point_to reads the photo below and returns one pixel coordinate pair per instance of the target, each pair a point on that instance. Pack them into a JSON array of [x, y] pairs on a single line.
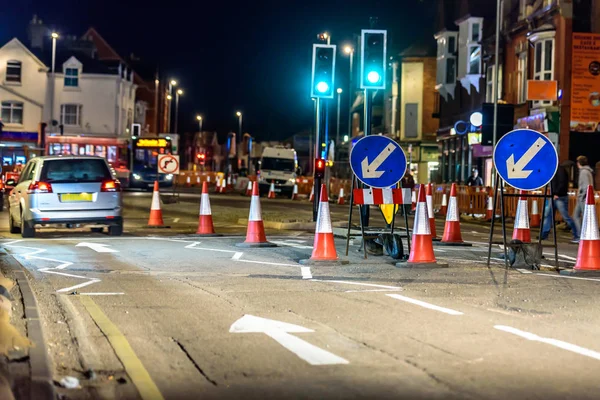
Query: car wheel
[[11, 224], [115, 230], [27, 229], [97, 230]]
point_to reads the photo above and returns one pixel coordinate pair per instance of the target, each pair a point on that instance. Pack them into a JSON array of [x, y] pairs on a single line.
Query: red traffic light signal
[[320, 168]]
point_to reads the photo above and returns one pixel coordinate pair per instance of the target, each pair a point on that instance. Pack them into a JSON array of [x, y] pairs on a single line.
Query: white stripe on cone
[[429, 200], [452, 213], [249, 187], [205, 205], [155, 201], [490, 203], [589, 227], [341, 194], [255, 211], [413, 197], [522, 219], [421, 225], [295, 191], [323, 219], [444, 200]]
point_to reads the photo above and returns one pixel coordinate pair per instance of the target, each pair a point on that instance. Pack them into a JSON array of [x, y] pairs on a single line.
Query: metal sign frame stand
[[500, 186]]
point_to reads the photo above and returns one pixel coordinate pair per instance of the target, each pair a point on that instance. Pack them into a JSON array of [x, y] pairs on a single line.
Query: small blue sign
[[525, 159], [378, 161]]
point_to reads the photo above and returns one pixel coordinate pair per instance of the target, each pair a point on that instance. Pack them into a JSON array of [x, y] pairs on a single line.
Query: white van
[[277, 165]]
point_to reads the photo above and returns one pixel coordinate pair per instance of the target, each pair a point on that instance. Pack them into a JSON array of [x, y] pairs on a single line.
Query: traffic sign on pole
[[525, 159], [168, 164], [378, 161]]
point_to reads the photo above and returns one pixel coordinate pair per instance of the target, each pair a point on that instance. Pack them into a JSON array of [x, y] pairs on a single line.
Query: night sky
[[251, 56]]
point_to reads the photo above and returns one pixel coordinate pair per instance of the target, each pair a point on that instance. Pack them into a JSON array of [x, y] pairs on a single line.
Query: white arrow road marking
[[553, 342], [370, 170], [97, 247], [516, 170], [280, 332]]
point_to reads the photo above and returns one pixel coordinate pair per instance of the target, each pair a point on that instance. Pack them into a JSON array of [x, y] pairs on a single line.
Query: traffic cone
[[489, 213], [255, 235], [452, 235], [429, 199], [421, 251], [205, 221], [413, 200], [249, 189], [324, 245], [535, 215], [222, 185], [156, 219], [198, 181], [271, 194], [588, 255], [341, 196], [311, 198], [521, 231], [444, 207], [187, 182], [295, 192], [208, 179]]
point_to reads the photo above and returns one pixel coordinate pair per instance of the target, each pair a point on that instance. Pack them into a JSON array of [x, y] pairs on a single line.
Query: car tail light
[[110, 186], [39, 187]]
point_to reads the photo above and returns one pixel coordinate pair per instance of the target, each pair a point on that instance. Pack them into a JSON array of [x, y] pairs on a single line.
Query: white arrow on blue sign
[[378, 161], [525, 159]]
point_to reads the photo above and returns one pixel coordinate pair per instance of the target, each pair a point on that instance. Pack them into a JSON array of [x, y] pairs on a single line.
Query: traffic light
[[320, 168], [136, 130], [323, 71], [373, 46]]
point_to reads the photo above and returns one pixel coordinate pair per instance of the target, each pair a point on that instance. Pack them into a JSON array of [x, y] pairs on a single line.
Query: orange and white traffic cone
[[311, 198], [255, 235], [249, 189], [205, 221], [156, 219], [452, 235], [188, 182], [489, 213], [341, 196], [295, 192], [324, 245], [223, 186], [271, 194], [521, 231], [421, 250], [413, 200], [588, 255], [429, 199], [535, 215], [444, 206], [198, 181]]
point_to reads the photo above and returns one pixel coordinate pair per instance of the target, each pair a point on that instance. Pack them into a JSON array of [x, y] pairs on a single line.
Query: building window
[[475, 32], [129, 119], [451, 44], [489, 79], [12, 112], [70, 114], [543, 64], [13, 71], [450, 71], [522, 78], [71, 77], [474, 60]]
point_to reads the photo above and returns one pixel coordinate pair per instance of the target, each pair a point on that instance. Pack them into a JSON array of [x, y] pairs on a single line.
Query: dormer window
[[72, 77], [469, 52], [13, 71]]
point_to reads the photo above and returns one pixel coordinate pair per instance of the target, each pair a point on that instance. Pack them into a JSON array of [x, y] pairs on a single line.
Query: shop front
[[17, 148]]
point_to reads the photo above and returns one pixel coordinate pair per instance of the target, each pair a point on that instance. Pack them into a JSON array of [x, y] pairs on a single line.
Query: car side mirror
[[10, 182]]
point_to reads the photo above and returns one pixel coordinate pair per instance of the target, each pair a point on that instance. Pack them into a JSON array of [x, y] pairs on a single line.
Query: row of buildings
[[440, 82]]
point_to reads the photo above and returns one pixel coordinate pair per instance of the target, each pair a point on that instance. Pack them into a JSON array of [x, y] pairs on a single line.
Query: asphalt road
[[166, 314]]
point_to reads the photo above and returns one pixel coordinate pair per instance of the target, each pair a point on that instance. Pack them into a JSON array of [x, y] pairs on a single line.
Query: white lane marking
[[84, 284], [493, 258], [553, 342], [194, 247], [359, 284], [296, 241], [176, 220], [371, 290], [424, 304], [296, 245], [97, 247], [269, 263], [101, 294], [524, 271], [280, 332], [306, 274], [561, 255], [570, 277], [237, 255]]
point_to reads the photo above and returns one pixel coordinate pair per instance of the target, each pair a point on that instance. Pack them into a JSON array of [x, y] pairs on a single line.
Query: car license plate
[[74, 197]]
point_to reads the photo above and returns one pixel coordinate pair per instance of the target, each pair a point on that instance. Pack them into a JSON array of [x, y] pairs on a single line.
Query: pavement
[[165, 314]]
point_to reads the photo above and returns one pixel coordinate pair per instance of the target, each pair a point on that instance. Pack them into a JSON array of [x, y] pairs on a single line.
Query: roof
[[422, 48], [33, 55], [89, 65]]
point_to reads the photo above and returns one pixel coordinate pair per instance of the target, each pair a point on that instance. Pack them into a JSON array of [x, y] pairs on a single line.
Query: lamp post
[[337, 134], [350, 51], [179, 93], [239, 115], [54, 36], [199, 118], [172, 84]]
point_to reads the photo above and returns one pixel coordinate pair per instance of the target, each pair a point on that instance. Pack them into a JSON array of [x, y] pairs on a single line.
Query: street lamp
[[54, 36], [350, 51], [199, 118], [239, 115], [172, 84], [337, 134], [179, 93]]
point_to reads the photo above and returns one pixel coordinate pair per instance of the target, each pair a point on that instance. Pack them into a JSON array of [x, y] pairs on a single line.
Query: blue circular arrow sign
[[525, 159], [378, 161]]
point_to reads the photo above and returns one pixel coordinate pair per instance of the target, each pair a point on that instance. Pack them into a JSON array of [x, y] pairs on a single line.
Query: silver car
[[66, 190]]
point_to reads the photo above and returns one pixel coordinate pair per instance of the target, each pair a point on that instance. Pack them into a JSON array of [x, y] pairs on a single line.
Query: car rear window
[[75, 170]]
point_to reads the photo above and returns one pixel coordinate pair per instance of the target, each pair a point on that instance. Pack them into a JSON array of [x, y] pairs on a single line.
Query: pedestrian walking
[[475, 179], [586, 178], [560, 191]]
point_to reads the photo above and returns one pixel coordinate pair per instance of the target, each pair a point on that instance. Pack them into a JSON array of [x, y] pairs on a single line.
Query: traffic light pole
[[364, 211], [316, 180]]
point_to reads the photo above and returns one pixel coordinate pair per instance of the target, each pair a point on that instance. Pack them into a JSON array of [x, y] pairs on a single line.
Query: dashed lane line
[[570, 277], [358, 284], [425, 305], [306, 274]]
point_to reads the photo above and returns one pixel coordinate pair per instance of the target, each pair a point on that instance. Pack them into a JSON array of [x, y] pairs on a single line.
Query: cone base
[[259, 244], [591, 273], [158, 226], [588, 256], [406, 264], [324, 263], [442, 243], [206, 235]]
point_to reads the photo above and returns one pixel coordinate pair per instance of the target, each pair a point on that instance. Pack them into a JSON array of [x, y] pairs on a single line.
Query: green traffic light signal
[[373, 59], [373, 77], [322, 87], [323, 71]]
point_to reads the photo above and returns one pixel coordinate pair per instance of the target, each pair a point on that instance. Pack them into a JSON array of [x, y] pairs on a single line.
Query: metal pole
[[316, 183], [169, 108], [337, 134], [499, 5], [240, 128], [350, 94], [367, 131], [176, 111], [53, 83], [156, 87]]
